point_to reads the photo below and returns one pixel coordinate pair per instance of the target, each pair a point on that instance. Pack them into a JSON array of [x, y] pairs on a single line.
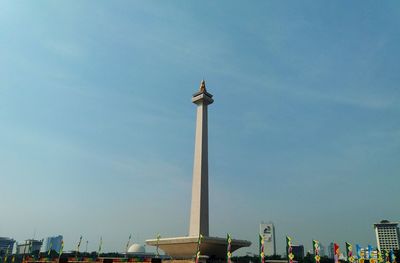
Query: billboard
[[267, 230]]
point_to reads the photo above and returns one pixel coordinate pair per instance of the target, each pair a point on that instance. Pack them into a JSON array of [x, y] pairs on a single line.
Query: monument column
[[199, 207]]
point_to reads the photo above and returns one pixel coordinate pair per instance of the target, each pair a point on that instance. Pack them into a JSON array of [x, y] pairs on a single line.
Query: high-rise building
[[387, 235], [267, 230], [29, 246], [54, 243], [322, 250], [331, 250], [6, 244], [298, 252]]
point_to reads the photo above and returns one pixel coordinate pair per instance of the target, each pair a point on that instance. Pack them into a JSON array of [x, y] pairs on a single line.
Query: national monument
[[185, 247]]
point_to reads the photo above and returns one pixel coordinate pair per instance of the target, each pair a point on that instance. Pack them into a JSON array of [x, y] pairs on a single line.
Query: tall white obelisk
[[199, 209], [186, 247]]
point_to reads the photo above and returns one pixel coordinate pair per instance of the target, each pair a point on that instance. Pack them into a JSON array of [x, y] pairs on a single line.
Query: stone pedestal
[[186, 247]]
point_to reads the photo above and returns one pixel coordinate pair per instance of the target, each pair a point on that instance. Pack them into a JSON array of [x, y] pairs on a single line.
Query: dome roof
[[136, 249]]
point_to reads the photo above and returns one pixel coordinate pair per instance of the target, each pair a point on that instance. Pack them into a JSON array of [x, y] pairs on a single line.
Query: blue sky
[[97, 126]]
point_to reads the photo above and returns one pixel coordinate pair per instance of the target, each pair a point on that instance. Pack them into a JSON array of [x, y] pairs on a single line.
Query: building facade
[[29, 246], [298, 252], [53, 243], [331, 252], [267, 230], [322, 250], [6, 244], [387, 235]]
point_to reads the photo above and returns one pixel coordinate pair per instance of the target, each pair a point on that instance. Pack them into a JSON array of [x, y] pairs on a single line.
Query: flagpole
[[77, 249], [158, 240], [198, 248], [228, 252], [61, 250], [100, 244], [262, 242], [127, 246]]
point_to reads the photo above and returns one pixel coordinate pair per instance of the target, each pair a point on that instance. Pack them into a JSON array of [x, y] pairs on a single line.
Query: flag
[[358, 252], [6, 255], [349, 252], [100, 244], [79, 244], [392, 256], [61, 249], [77, 248], [336, 252], [127, 244], [380, 257], [228, 249], [387, 256], [289, 249], [370, 257], [369, 251], [158, 240], [316, 251], [198, 248], [262, 254], [48, 252]]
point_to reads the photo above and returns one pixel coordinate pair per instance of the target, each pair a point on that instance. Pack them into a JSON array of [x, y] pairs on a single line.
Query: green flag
[[198, 248], [228, 248], [289, 249], [48, 252], [61, 249], [316, 251], [262, 254], [349, 252], [6, 255]]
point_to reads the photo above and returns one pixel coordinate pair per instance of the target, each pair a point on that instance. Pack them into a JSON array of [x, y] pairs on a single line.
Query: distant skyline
[[97, 126]]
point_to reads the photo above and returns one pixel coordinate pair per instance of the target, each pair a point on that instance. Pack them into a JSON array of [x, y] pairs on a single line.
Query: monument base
[[186, 247]]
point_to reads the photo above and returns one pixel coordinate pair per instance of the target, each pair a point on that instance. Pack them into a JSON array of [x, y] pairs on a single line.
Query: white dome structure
[[136, 249]]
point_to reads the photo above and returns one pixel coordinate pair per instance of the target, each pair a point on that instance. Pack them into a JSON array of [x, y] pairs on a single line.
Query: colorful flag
[[392, 256], [228, 249], [198, 248], [360, 258], [349, 252], [336, 252], [380, 257], [370, 256], [6, 255], [316, 251], [48, 252], [61, 249], [289, 249], [262, 254], [387, 256]]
